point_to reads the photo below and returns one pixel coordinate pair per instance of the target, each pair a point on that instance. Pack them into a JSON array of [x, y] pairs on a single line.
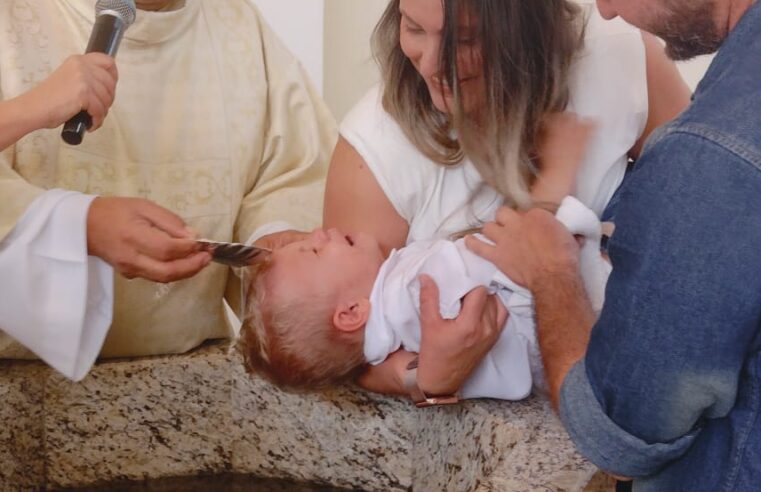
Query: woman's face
[[420, 38]]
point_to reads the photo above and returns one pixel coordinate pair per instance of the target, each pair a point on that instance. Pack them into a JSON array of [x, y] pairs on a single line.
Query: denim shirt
[[669, 391]]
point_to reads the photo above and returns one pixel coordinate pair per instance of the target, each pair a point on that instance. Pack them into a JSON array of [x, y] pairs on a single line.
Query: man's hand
[[530, 246], [451, 349], [537, 251], [82, 82], [141, 239]]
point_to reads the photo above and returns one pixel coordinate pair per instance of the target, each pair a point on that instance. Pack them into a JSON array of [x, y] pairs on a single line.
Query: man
[[666, 387], [214, 131]]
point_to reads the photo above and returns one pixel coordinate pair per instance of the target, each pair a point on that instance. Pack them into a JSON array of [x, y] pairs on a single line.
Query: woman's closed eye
[[411, 26], [413, 30]]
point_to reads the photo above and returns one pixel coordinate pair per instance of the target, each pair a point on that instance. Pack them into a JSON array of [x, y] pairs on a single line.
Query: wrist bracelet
[[417, 395]]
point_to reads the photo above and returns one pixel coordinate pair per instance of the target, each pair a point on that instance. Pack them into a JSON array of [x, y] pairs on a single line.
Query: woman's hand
[[561, 145], [82, 82], [451, 349]]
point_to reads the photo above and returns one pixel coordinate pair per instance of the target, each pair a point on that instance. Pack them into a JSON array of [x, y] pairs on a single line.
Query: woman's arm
[[560, 149], [82, 82], [667, 93], [354, 201]]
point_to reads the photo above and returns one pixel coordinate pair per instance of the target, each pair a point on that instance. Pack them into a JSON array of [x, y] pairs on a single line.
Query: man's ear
[[351, 316]]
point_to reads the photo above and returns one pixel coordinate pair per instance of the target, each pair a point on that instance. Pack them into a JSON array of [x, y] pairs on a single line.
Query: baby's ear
[[351, 316]]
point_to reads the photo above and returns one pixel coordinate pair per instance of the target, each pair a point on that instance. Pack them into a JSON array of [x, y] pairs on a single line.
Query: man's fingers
[[156, 244], [473, 305], [429, 301], [490, 322], [165, 220], [166, 272], [501, 313]]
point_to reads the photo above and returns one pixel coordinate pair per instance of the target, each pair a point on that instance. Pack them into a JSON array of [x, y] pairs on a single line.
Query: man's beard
[[688, 29]]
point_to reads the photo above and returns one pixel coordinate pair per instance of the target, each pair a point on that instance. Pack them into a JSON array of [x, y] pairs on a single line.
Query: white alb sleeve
[[55, 299]]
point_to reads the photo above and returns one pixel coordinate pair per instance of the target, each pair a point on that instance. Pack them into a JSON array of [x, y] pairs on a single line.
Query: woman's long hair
[[525, 49]]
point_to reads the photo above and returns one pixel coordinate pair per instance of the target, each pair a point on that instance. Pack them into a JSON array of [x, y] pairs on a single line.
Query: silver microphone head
[[123, 9]]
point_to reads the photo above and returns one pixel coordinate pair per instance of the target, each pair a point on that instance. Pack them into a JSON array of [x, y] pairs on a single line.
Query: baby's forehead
[[279, 272]]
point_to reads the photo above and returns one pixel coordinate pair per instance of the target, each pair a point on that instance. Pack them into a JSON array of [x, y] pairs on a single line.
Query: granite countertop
[[200, 413]]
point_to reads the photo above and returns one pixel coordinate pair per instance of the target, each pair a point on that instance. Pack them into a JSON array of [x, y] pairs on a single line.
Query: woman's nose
[[429, 60]]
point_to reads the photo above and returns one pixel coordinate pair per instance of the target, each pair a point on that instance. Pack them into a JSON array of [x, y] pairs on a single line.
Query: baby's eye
[[314, 250]]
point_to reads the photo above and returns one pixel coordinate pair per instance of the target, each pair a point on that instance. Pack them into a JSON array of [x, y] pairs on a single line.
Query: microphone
[[112, 18]]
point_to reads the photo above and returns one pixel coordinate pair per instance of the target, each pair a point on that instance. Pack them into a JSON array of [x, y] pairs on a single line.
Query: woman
[[454, 132]]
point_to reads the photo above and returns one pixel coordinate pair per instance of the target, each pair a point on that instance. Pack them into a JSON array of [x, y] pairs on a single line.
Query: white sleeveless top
[[608, 85]]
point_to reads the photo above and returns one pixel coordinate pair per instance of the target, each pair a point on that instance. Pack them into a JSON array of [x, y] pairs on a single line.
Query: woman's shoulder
[[368, 119], [610, 71], [608, 84], [402, 171]]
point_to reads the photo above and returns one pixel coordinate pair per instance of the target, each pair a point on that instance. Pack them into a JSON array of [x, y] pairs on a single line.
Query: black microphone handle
[[105, 38]]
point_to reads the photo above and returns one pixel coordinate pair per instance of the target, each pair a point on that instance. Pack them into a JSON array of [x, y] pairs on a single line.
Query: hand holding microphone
[[82, 82], [112, 18]]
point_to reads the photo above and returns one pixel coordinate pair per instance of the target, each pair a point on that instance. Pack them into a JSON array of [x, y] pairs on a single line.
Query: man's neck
[[735, 10]]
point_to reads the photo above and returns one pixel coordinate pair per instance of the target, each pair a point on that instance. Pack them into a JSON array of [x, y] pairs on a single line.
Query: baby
[[320, 309]]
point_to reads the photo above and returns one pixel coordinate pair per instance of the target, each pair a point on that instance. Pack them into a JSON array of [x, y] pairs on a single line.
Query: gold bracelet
[[417, 395]]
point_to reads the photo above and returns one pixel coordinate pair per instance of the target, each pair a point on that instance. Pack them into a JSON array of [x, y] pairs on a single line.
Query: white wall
[[693, 70], [299, 23], [349, 68]]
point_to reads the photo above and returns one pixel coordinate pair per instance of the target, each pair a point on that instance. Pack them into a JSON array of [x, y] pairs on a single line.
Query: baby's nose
[[319, 235]]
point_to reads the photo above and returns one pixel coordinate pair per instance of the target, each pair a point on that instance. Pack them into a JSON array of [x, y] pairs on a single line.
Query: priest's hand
[[141, 239]]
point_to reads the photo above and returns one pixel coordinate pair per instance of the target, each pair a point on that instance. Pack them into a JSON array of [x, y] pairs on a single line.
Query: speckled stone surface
[[343, 437], [201, 413], [152, 417], [22, 458], [497, 446]]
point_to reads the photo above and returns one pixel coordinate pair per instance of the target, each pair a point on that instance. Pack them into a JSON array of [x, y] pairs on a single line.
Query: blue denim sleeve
[[682, 306]]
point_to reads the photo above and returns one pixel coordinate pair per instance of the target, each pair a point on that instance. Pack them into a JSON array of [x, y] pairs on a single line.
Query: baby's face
[[326, 262]]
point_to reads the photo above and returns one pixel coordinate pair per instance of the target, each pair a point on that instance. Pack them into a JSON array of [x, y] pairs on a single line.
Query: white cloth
[[510, 368], [608, 85], [54, 298]]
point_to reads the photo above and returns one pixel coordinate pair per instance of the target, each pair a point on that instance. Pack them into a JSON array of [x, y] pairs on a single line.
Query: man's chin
[[685, 52]]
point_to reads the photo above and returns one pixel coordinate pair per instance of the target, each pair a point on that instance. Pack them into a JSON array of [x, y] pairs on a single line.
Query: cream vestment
[[214, 119]]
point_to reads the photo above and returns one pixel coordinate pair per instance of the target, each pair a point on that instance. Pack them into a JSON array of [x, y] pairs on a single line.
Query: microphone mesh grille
[[125, 9]]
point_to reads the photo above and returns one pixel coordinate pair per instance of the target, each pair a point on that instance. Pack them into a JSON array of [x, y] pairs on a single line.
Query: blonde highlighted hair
[[291, 341], [526, 51]]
